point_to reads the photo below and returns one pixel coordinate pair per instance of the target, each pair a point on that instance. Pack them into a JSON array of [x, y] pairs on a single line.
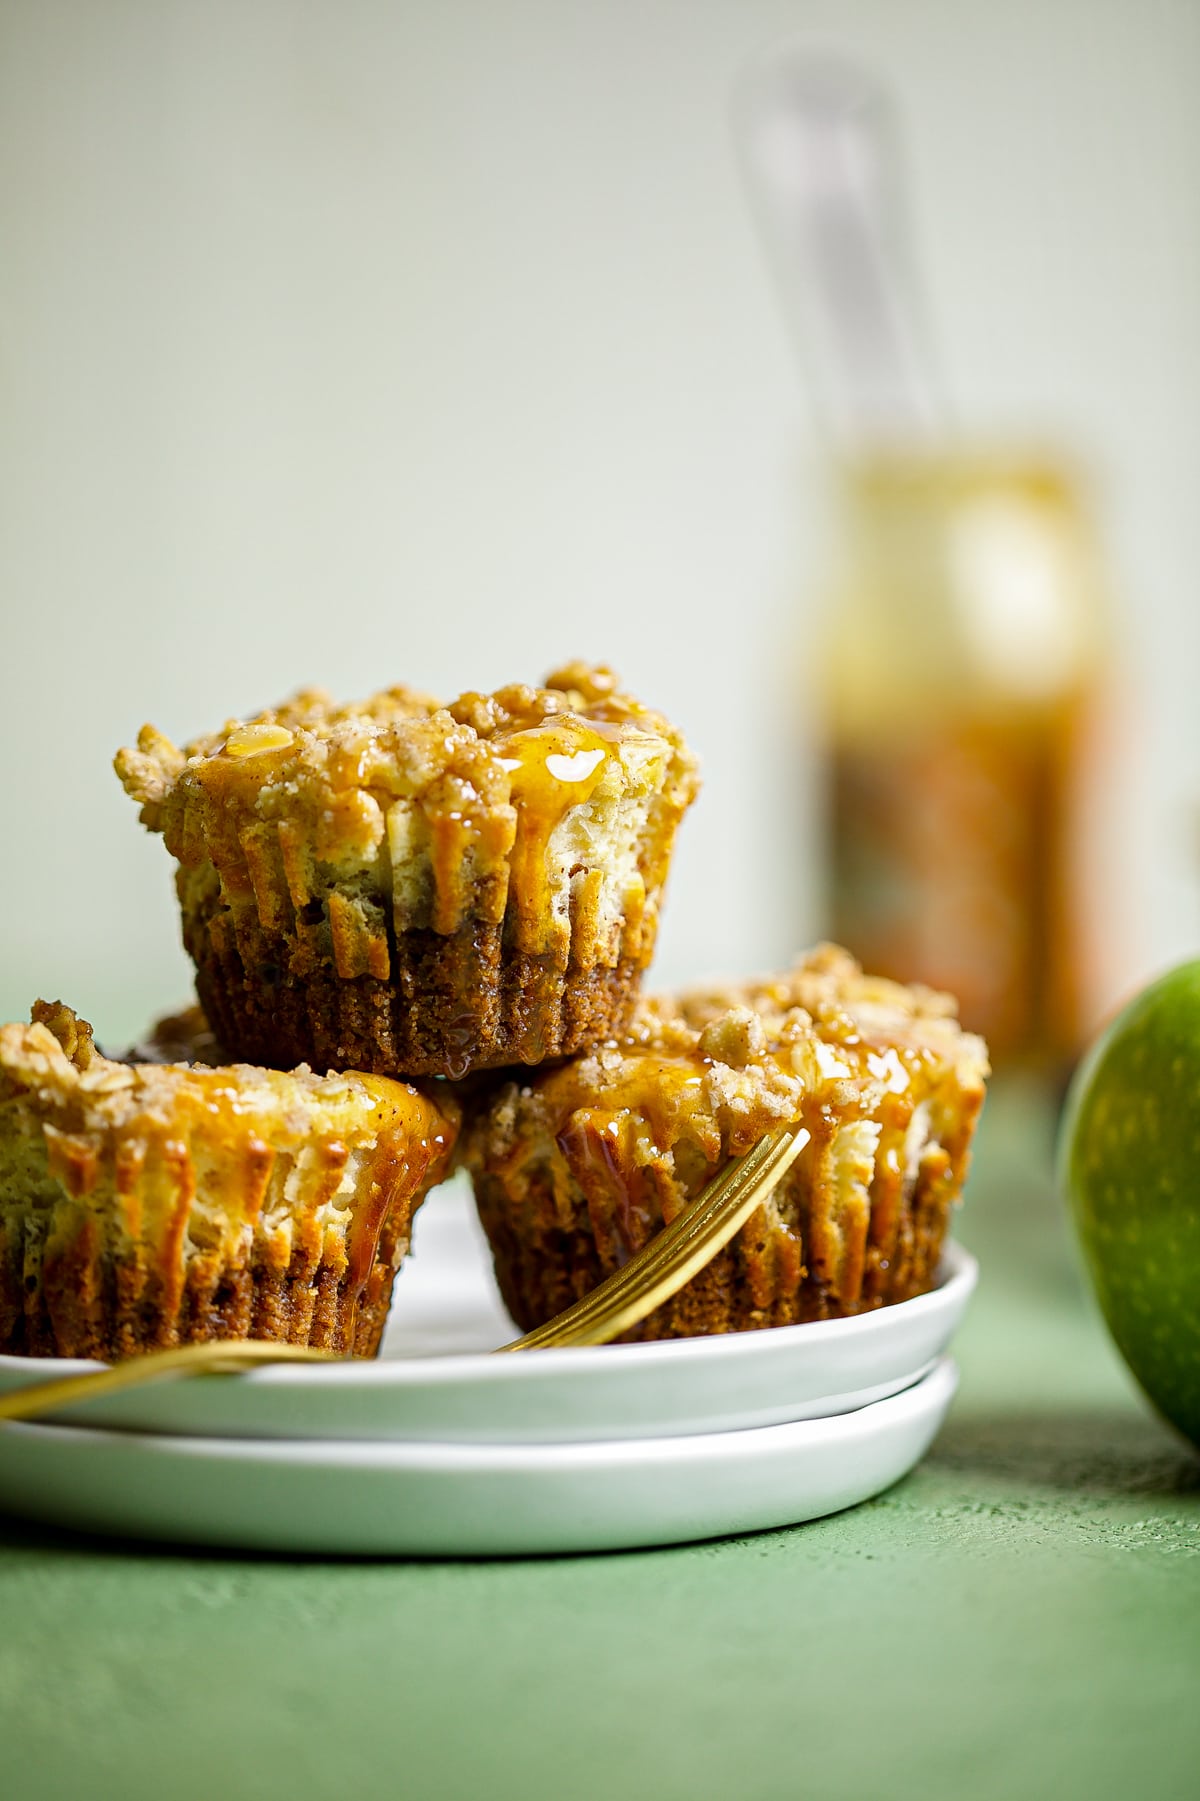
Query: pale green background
[[360, 341]]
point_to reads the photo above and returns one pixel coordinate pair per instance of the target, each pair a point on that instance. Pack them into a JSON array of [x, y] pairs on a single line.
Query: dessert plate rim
[[462, 1499]]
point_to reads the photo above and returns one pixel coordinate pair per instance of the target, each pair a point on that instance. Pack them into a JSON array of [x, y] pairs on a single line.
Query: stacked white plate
[[439, 1449]]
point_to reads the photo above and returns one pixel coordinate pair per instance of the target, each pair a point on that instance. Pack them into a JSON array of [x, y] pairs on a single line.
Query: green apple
[[1129, 1163]]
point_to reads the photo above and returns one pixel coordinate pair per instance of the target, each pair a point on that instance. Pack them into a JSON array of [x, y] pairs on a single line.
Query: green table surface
[[1020, 1617]]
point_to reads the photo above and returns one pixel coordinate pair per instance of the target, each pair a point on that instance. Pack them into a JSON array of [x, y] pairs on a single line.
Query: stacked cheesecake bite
[[418, 889], [409, 918]]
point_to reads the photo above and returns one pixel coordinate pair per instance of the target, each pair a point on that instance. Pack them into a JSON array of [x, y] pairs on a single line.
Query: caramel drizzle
[[552, 768]]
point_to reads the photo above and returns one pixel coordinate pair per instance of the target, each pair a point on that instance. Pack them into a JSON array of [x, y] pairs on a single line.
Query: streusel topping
[[436, 810], [724, 1065]]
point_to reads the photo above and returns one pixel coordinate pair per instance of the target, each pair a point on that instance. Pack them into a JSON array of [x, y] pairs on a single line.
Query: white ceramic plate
[[432, 1383], [462, 1499]]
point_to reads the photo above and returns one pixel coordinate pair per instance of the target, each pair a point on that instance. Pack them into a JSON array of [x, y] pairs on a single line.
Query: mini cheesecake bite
[[417, 889], [578, 1167], [145, 1205]]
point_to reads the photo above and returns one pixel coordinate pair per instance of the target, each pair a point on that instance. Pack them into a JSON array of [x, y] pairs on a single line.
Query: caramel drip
[[552, 768], [666, 1092], [669, 1094], [308, 796], [226, 774]]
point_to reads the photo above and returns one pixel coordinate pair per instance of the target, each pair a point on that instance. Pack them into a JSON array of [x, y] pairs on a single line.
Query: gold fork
[[222, 1358], [672, 1257], [677, 1253]]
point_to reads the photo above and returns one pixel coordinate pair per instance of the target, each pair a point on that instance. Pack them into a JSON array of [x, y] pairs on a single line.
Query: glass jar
[[965, 688]]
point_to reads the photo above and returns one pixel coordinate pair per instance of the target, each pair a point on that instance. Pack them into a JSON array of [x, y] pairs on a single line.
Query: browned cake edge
[[450, 1005]]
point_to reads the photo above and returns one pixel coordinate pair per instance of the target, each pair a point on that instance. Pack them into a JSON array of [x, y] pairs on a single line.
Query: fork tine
[[740, 1186], [699, 1240], [675, 1254]]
